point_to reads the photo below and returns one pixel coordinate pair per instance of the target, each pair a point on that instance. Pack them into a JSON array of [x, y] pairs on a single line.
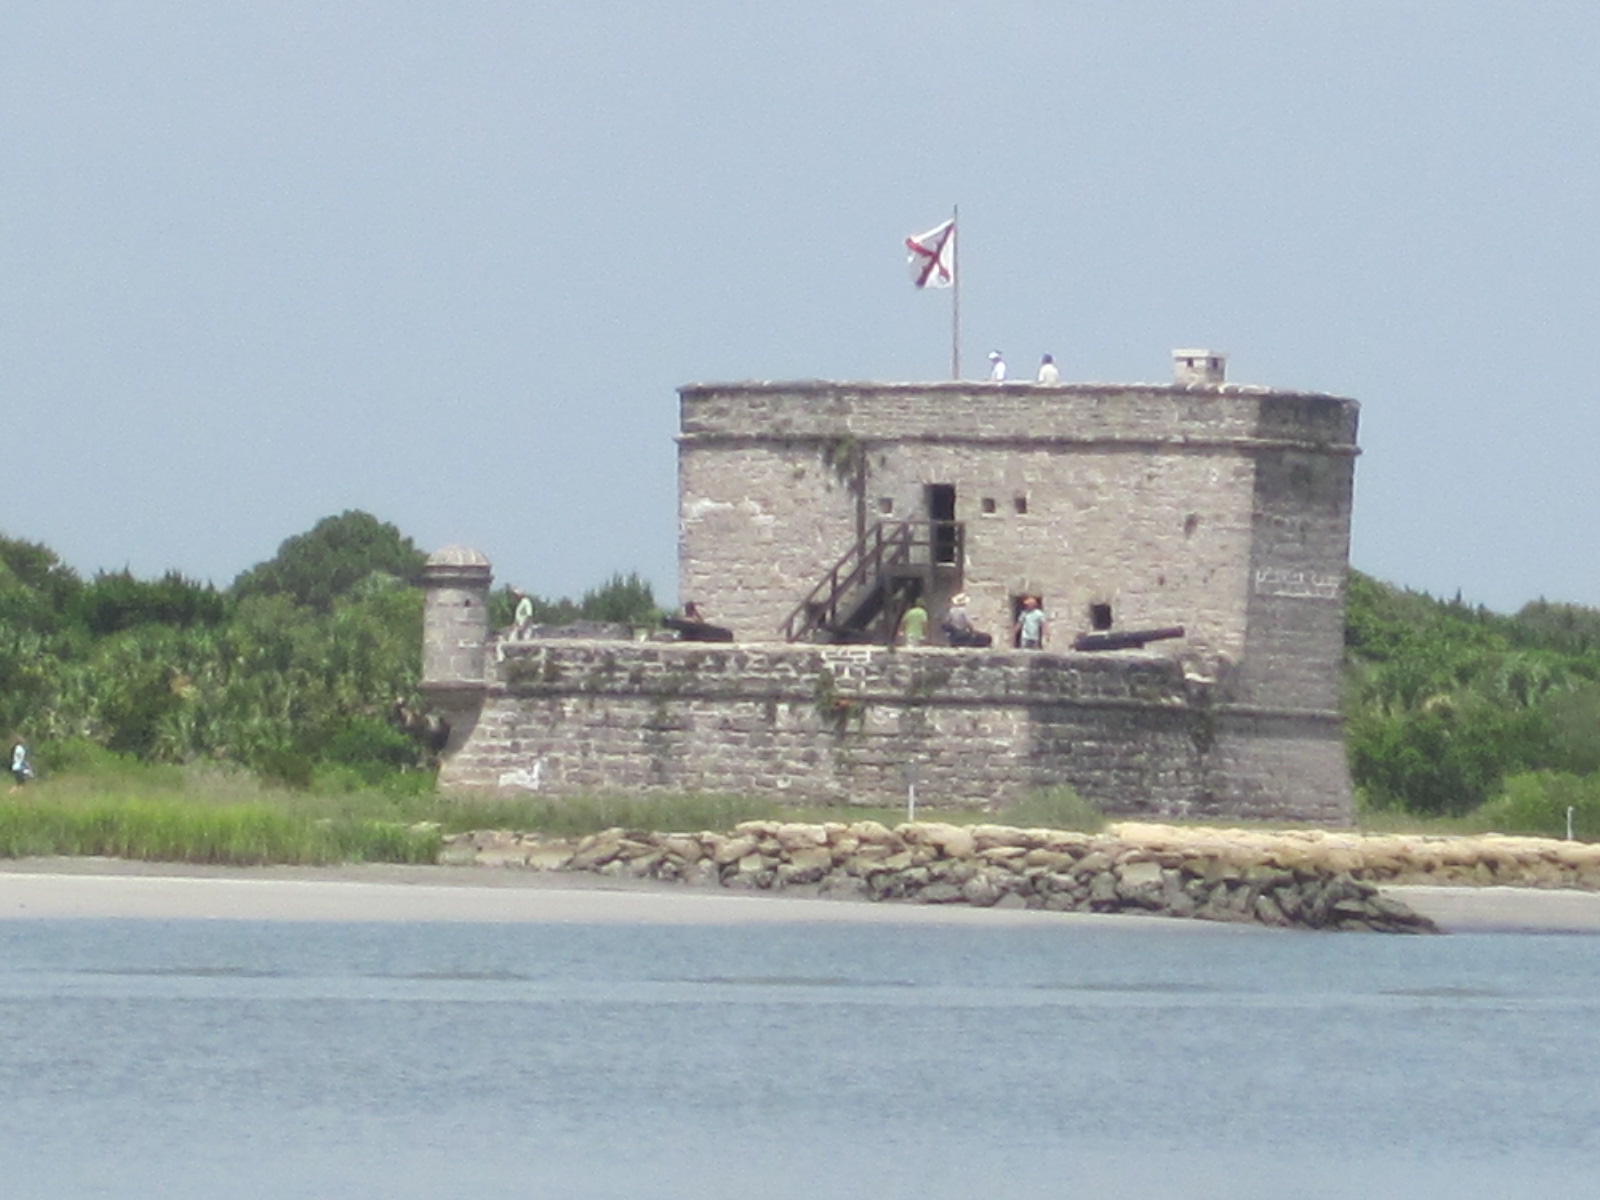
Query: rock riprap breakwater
[[1305, 879]]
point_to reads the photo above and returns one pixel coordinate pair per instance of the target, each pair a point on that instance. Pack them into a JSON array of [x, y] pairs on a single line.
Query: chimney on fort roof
[[1190, 367]]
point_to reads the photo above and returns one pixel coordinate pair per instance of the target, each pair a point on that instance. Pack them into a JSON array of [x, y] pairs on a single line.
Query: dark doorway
[[941, 502]]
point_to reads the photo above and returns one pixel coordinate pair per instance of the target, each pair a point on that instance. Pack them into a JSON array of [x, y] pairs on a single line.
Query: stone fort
[[1187, 541]]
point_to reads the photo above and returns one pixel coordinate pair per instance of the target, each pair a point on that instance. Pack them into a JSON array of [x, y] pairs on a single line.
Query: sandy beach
[[64, 888], [98, 888]]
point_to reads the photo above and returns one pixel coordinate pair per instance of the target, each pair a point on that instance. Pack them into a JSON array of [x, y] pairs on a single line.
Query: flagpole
[[955, 295]]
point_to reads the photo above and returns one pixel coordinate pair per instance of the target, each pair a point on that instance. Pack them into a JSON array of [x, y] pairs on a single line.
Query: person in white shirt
[[524, 614], [997, 367], [1048, 372], [21, 769]]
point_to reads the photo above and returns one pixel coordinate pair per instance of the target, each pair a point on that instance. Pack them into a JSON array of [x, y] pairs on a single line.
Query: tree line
[[1453, 710]]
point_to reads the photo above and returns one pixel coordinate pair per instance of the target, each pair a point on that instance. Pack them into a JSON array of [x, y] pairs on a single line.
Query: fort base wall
[[858, 725]]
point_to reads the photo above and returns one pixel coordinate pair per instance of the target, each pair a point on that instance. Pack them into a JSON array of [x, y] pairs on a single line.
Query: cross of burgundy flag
[[932, 256]]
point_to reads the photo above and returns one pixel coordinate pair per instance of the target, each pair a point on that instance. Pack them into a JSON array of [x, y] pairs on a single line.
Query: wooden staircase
[[862, 596]]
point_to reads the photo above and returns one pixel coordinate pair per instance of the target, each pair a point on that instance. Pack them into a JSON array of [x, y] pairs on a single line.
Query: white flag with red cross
[[932, 256]]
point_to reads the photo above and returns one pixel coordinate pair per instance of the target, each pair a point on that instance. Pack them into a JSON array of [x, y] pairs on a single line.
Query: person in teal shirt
[[1031, 625]]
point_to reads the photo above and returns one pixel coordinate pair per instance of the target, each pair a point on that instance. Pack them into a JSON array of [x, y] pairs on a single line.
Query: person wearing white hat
[[957, 624], [997, 367]]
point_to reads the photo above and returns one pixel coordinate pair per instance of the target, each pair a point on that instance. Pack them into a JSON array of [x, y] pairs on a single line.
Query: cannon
[[1125, 639]]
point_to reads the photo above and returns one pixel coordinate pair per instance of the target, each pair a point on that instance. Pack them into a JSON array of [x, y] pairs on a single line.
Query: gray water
[[203, 1059]]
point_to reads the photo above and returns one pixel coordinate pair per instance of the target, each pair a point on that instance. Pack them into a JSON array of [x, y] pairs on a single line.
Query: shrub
[[117, 601], [1537, 802], [331, 560], [286, 766], [1055, 808]]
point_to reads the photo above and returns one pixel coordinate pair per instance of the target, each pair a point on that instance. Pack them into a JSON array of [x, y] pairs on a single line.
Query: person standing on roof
[[997, 367], [1049, 374], [524, 613]]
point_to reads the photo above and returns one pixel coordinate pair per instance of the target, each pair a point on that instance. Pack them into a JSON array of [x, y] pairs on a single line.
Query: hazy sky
[[448, 262]]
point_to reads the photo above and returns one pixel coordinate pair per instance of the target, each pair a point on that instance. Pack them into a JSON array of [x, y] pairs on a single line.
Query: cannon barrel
[[1125, 639]]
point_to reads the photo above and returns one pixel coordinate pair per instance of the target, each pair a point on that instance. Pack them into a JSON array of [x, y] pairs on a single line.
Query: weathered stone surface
[[796, 837], [1095, 862], [597, 850], [1139, 875], [1103, 890], [1214, 874], [841, 886], [806, 865], [734, 849], [652, 718], [951, 841], [980, 891], [1268, 912], [684, 847]]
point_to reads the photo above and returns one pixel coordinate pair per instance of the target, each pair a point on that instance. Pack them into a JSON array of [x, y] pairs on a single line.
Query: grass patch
[[107, 805], [175, 830], [1054, 808], [574, 816], [206, 813]]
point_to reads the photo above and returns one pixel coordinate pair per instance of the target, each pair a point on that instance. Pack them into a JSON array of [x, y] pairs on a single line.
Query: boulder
[[731, 850], [799, 837], [951, 841], [684, 847], [981, 891]]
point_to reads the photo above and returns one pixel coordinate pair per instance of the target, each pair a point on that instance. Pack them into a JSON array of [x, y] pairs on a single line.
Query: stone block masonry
[[857, 725], [1215, 508]]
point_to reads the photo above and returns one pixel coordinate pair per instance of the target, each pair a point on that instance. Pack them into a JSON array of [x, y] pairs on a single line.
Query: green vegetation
[[1456, 711], [183, 831], [112, 804], [316, 569], [1055, 808]]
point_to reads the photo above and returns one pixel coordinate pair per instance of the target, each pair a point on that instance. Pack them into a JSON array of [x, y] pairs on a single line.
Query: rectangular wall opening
[[941, 502]]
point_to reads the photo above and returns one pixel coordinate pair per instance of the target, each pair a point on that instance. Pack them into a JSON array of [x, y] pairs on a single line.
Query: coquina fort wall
[[1221, 509]]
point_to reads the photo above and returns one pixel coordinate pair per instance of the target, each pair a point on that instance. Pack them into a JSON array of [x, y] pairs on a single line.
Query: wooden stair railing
[[860, 588]]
